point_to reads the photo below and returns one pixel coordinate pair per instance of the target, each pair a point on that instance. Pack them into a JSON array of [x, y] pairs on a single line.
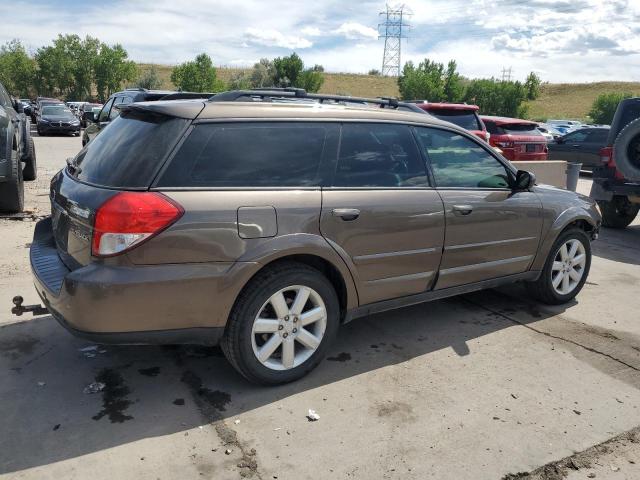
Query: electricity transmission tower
[[506, 74], [392, 30]]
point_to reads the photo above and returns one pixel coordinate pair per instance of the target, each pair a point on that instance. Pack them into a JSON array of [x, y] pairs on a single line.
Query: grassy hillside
[[564, 100]]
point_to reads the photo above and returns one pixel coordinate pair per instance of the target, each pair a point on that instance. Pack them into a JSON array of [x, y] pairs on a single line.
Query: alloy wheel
[[289, 327], [568, 266]]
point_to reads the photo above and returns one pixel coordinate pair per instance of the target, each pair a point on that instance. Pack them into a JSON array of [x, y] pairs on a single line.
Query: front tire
[[282, 324], [565, 270], [618, 213], [12, 190], [30, 171]]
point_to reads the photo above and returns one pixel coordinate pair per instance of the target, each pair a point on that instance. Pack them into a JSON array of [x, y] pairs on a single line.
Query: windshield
[[60, 110], [463, 118]]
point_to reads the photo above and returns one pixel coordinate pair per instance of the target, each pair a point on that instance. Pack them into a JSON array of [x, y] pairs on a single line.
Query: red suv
[[461, 114], [518, 139]]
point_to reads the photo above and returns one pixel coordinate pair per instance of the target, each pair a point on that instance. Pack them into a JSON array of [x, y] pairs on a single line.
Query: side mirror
[[560, 140], [18, 106], [524, 180], [89, 117]]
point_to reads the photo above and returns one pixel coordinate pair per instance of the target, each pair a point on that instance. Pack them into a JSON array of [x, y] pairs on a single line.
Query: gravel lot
[[485, 386]]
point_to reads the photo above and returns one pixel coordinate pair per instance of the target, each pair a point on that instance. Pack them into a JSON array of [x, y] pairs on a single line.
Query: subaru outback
[[263, 225]]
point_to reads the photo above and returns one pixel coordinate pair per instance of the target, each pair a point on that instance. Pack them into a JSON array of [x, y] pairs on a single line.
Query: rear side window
[[129, 151], [256, 154], [466, 119], [379, 155], [522, 129], [598, 136]]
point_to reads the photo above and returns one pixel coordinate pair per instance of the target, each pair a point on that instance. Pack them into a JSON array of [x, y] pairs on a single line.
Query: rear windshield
[[463, 118], [521, 129], [129, 151]]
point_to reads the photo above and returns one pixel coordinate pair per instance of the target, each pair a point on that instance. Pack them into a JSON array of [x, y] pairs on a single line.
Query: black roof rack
[[185, 95], [271, 94]]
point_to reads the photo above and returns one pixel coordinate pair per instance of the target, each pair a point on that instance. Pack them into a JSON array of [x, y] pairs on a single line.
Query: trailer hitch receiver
[[18, 309]]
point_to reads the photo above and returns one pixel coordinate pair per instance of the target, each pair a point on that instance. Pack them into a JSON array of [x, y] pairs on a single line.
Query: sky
[[561, 40]]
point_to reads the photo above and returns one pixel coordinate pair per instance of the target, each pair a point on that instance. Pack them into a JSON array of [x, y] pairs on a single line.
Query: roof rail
[[135, 89], [185, 95], [269, 94]]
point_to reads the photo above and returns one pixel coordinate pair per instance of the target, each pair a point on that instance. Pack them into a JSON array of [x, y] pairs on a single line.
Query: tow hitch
[[19, 309]]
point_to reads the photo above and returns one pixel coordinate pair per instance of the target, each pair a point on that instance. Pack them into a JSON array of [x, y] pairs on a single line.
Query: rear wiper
[[73, 167]]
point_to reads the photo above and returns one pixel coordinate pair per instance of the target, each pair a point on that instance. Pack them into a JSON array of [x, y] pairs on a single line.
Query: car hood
[[58, 118]]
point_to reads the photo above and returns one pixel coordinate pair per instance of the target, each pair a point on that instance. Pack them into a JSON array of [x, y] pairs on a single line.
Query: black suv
[[616, 181], [111, 109], [16, 148]]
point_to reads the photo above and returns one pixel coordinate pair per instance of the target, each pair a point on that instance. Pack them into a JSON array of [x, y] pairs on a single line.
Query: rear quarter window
[[252, 154], [466, 119], [130, 150]]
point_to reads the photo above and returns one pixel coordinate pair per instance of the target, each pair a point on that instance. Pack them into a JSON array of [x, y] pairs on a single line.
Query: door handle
[[575, 146], [462, 209], [347, 214]]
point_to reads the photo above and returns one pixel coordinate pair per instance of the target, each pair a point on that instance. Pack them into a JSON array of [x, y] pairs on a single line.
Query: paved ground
[[485, 386]]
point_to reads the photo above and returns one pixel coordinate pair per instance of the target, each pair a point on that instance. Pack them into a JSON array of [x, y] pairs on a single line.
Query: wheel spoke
[[574, 249], [557, 279], [288, 353], [265, 325], [557, 266], [308, 339], [575, 276], [563, 252], [279, 304], [579, 259], [565, 284], [268, 348], [312, 316], [300, 301]]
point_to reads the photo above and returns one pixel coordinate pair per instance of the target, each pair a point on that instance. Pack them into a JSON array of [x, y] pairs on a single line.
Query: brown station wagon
[[264, 224]]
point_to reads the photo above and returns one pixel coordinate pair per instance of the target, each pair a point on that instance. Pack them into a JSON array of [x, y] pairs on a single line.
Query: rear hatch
[[127, 155], [525, 137]]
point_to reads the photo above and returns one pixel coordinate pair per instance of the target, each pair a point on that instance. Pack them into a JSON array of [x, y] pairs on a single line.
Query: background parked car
[[41, 102], [461, 114], [16, 149], [517, 139], [580, 146], [87, 107], [549, 132], [57, 119]]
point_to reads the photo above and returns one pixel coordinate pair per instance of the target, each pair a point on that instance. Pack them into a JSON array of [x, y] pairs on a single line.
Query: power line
[[506, 74], [392, 32]]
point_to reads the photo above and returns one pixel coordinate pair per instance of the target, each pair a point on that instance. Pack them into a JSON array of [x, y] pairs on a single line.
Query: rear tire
[[257, 320], [30, 171], [12, 190], [618, 213], [559, 265]]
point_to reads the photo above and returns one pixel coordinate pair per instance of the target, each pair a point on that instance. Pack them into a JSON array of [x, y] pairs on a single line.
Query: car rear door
[[491, 231], [380, 213]]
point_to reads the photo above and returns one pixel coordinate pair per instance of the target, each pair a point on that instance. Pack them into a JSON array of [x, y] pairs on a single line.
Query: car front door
[[381, 214], [570, 148], [590, 151], [491, 230]]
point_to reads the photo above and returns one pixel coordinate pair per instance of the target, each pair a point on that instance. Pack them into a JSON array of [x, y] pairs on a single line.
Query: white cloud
[[274, 38], [311, 31], [356, 31]]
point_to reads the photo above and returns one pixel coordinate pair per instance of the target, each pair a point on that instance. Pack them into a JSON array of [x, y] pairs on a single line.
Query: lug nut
[[286, 318], [285, 334], [295, 330], [295, 319], [280, 327]]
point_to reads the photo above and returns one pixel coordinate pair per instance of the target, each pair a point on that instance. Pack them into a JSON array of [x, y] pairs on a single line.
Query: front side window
[[104, 113], [459, 162], [252, 154], [577, 137], [379, 155]]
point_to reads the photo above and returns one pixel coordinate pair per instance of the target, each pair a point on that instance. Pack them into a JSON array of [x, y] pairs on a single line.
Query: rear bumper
[[184, 303], [523, 157]]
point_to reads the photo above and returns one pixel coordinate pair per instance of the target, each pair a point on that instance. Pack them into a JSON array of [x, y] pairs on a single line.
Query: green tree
[[197, 76], [17, 69], [532, 85], [374, 72], [240, 81], [453, 88], [498, 98], [263, 74], [605, 105], [290, 72], [112, 69], [425, 82], [148, 78]]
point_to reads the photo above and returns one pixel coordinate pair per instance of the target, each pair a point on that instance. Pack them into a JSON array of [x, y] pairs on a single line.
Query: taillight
[[505, 144], [606, 154], [129, 218]]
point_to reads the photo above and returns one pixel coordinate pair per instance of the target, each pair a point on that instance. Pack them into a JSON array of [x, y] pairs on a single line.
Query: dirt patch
[[341, 357], [559, 469], [395, 410], [19, 346]]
